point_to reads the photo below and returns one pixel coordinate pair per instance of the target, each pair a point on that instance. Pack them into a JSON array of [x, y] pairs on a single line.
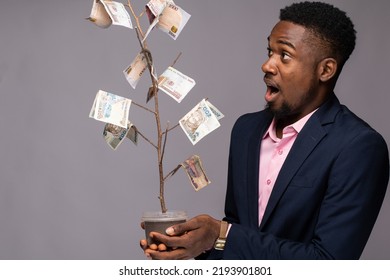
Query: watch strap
[[221, 240]]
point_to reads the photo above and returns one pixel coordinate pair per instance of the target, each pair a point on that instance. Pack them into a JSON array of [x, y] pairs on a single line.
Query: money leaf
[[114, 135], [99, 15], [110, 108], [135, 70], [172, 20], [196, 175], [175, 84], [117, 13], [132, 134], [199, 122]]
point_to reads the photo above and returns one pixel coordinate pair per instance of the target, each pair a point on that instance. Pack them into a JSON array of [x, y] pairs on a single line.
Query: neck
[[280, 125]]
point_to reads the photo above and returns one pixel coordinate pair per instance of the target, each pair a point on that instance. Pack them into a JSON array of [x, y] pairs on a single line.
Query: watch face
[[220, 244]]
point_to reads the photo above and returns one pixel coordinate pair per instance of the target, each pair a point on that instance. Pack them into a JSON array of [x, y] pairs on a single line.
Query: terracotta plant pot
[[159, 222]]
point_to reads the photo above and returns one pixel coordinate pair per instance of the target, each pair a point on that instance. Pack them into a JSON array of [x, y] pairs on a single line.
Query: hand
[[186, 240], [144, 244]]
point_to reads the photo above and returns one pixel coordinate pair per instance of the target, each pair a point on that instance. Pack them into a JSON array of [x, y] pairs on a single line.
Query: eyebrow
[[284, 42]]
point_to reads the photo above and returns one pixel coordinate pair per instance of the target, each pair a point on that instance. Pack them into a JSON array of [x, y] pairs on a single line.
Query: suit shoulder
[[353, 126]]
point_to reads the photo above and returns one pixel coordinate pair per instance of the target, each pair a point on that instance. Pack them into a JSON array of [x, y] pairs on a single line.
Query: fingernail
[[170, 231]]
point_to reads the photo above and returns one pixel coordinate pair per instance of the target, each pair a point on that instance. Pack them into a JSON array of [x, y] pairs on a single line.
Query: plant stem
[[160, 157], [165, 142], [148, 57], [160, 144]]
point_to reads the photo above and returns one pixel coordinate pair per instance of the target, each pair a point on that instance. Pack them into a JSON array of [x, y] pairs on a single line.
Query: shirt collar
[[295, 127]]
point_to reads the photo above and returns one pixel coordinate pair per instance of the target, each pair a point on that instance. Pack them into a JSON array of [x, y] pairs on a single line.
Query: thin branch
[[141, 14], [136, 18], [150, 142], [177, 58], [165, 142], [143, 107], [172, 128], [148, 57], [172, 172]]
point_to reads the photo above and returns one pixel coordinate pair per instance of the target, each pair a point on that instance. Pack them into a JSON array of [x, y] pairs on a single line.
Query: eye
[[285, 56], [270, 52]]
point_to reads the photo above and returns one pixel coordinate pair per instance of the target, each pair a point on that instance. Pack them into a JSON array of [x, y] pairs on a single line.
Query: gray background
[[64, 194]]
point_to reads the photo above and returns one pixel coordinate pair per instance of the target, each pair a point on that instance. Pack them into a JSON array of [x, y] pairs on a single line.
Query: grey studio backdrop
[[64, 194]]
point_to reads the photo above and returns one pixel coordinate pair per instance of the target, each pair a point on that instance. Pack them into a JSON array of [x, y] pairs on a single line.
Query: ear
[[327, 69]]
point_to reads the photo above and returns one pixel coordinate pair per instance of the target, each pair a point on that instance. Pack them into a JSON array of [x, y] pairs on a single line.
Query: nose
[[269, 67]]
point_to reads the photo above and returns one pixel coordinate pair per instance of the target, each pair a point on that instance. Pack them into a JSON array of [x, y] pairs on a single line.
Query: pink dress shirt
[[273, 152]]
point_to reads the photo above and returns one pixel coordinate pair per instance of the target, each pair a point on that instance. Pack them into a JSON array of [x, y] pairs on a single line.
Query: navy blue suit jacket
[[327, 195]]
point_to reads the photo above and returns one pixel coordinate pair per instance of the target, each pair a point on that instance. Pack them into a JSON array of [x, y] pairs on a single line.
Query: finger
[[143, 244], [181, 228], [153, 247], [162, 247], [178, 254], [169, 241], [142, 225]]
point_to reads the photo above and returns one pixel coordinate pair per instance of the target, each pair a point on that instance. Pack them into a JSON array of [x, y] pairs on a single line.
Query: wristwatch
[[221, 240]]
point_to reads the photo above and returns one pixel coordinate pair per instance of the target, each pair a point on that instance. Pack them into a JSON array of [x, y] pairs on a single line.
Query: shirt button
[[268, 181]]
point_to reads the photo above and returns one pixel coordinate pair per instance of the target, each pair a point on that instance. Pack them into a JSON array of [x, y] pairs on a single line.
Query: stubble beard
[[283, 112]]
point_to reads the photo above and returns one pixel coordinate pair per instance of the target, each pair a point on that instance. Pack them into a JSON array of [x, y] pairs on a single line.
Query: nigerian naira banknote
[[111, 108], [196, 175], [200, 121]]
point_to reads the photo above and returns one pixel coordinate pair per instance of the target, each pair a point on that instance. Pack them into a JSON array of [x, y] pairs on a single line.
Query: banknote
[[199, 122], [99, 15], [114, 135], [117, 13], [110, 108], [194, 169], [153, 23], [132, 133], [155, 7], [215, 111], [175, 84], [135, 70], [172, 20], [153, 10]]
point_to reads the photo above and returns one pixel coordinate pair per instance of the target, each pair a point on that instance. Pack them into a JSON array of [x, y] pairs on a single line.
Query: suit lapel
[[254, 144]]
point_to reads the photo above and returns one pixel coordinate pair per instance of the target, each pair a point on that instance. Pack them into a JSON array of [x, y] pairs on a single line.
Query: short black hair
[[326, 22]]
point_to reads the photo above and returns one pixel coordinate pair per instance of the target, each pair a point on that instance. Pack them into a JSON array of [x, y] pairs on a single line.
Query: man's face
[[291, 72]]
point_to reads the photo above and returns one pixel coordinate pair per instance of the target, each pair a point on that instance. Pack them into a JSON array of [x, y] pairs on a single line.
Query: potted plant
[[114, 110]]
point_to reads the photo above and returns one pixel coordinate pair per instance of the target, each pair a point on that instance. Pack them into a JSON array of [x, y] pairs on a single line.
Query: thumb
[[178, 229]]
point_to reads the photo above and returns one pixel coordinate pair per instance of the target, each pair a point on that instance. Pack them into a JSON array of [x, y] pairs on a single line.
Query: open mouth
[[272, 87], [272, 90]]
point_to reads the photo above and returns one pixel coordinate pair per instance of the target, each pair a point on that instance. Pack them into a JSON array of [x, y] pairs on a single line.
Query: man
[[306, 176]]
